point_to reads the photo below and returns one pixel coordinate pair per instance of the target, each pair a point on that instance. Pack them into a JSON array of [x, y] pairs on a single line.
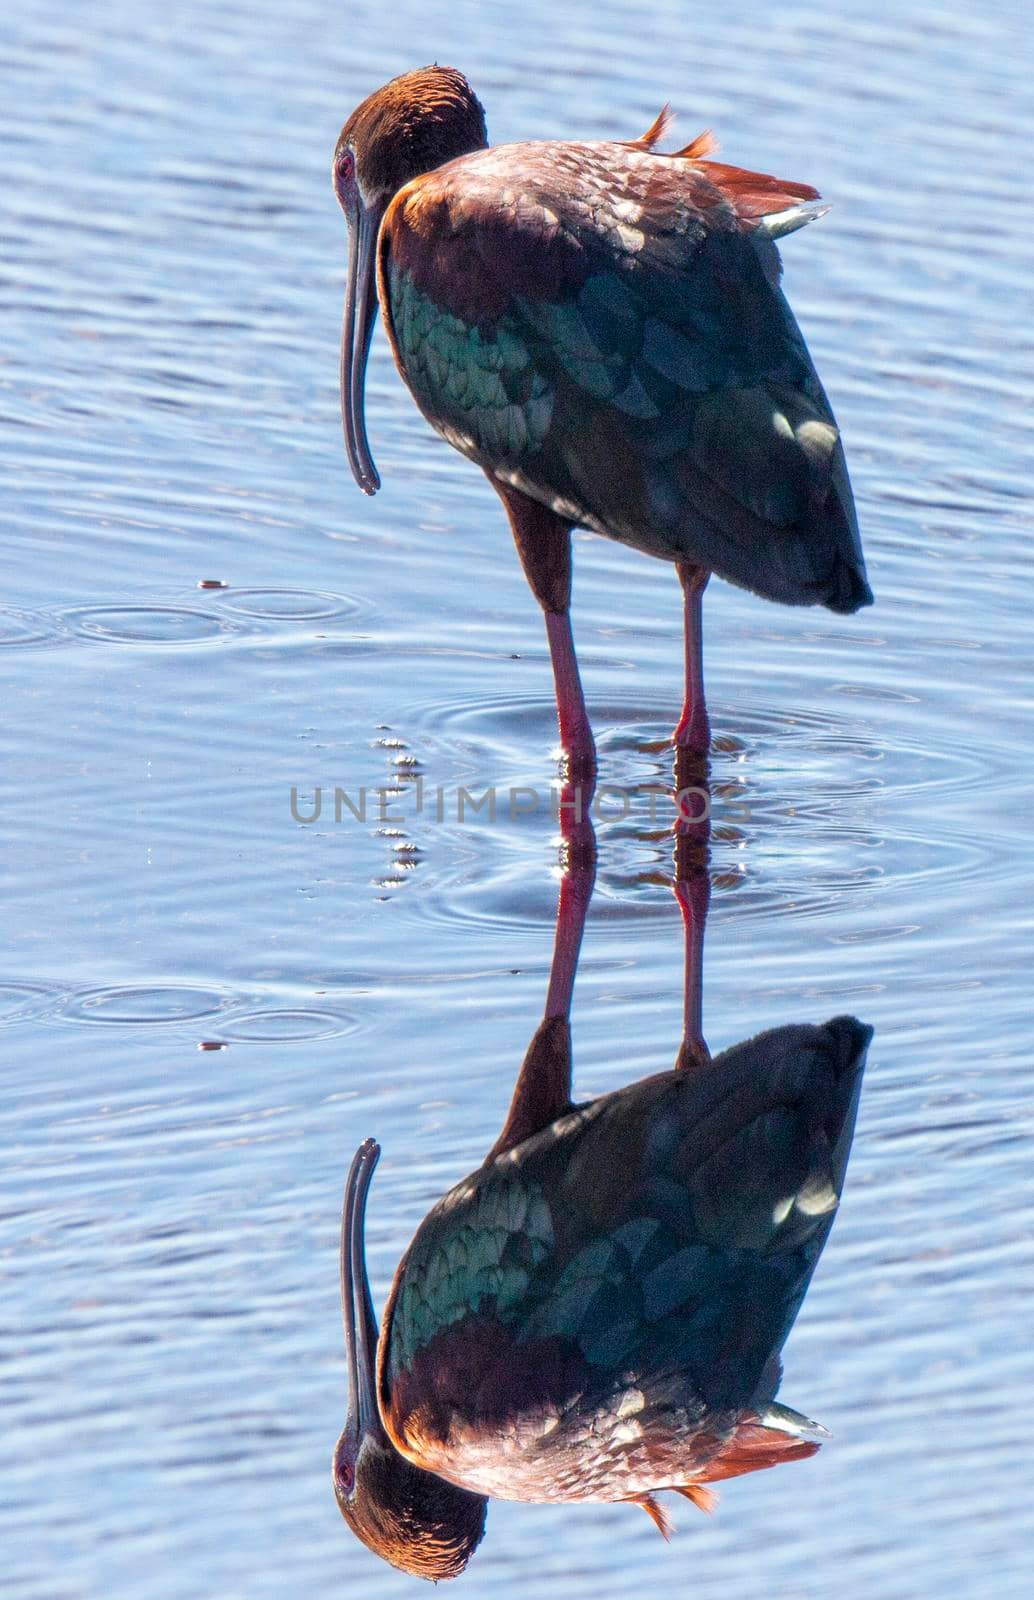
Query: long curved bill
[[356, 333], [357, 1310]]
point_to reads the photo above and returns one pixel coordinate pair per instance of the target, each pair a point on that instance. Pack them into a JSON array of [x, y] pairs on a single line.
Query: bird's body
[[600, 327], [598, 1311]]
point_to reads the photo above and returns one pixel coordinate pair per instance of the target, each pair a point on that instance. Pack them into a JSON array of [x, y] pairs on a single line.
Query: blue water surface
[[171, 1370]]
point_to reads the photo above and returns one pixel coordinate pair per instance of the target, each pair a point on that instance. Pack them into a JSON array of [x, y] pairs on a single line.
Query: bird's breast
[[616, 1451]]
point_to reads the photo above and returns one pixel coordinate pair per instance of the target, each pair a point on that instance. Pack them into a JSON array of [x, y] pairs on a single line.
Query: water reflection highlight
[[597, 1312]]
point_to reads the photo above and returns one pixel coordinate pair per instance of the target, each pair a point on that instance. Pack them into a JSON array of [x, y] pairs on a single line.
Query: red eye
[[344, 1466], [345, 169]]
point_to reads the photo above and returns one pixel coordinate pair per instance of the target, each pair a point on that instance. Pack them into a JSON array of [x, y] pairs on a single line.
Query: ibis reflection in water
[[600, 327], [596, 1313]]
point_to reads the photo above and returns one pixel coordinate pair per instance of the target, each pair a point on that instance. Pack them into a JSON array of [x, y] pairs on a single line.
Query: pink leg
[[543, 541], [694, 731], [575, 728], [575, 893], [693, 892], [543, 1089]]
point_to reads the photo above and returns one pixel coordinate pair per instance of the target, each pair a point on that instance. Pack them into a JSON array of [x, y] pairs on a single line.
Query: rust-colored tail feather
[[656, 1513], [656, 131], [703, 1499], [753, 1448], [755, 194], [705, 144]]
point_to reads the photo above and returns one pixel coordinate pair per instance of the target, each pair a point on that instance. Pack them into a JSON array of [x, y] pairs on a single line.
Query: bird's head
[[415, 1520], [410, 126]]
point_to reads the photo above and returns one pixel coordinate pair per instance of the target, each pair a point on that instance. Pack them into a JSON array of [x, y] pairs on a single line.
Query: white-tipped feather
[[785, 1420], [777, 223]]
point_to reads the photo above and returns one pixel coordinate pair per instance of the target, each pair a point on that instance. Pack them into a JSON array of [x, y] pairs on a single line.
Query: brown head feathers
[[412, 125]]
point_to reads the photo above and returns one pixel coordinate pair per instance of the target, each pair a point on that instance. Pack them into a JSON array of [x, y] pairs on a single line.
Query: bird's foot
[[693, 1053], [692, 796], [693, 776], [693, 734], [578, 760]]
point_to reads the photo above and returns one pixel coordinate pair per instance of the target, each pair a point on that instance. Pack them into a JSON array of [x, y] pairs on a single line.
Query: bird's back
[[602, 328], [598, 1308]]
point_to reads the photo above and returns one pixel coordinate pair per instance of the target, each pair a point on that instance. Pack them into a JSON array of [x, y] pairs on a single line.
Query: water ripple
[[20, 1002], [148, 625], [844, 784], [286, 1026], [289, 605], [21, 627], [171, 290], [138, 1005]]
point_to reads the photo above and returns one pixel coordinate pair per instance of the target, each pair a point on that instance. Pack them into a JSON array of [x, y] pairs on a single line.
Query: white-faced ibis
[[596, 1313], [600, 327]]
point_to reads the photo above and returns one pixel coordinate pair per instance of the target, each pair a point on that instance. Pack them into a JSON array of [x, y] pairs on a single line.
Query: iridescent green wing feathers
[[667, 1233], [487, 396], [602, 329]]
